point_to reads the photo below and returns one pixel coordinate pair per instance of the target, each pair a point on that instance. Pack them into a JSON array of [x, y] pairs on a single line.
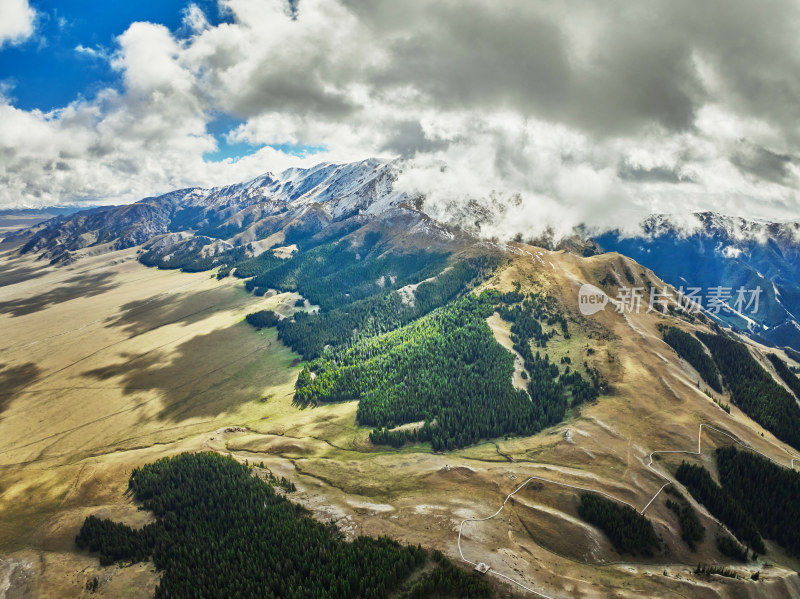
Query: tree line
[[754, 390], [691, 350], [310, 334], [337, 274], [446, 581], [729, 547], [769, 493], [262, 319], [722, 505], [628, 530], [222, 532], [544, 379], [788, 377], [692, 531]]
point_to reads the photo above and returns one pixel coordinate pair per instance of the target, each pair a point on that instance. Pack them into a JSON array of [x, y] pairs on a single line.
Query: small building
[[482, 568]]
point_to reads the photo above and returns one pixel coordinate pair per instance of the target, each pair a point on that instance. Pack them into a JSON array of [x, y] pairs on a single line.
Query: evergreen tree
[[628, 530]]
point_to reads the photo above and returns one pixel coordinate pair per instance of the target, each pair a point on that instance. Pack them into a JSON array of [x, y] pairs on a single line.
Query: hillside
[[405, 378], [729, 252], [175, 363]]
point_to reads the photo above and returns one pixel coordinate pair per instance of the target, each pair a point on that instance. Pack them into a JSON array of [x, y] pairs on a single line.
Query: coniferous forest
[[628, 531], [262, 318], [730, 547], [769, 493], [755, 498], [309, 334], [691, 350], [222, 532], [446, 371], [788, 377], [721, 503], [692, 531], [754, 390]]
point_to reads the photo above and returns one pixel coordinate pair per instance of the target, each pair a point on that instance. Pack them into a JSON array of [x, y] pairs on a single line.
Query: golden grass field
[[107, 365]]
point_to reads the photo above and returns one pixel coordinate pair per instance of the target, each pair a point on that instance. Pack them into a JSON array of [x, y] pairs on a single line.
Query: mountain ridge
[[338, 190], [707, 250], [726, 251]]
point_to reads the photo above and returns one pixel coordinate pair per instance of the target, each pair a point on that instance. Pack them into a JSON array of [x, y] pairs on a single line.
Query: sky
[[549, 114]]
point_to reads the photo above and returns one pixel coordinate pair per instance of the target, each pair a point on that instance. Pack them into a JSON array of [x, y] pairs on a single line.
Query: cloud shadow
[[139, 317], [14, 379], [205, 376], [74, 288]]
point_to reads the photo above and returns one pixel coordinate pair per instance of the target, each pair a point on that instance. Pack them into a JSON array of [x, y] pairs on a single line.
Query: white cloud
[[550, 115], [98, 52], [17, 21], [194, 18]]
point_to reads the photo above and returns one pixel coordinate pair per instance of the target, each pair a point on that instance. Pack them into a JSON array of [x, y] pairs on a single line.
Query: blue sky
[[46, 70], [67, 59], [574, 112]]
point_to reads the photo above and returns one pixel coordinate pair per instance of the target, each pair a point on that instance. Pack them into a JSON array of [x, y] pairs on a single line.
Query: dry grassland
[[107, 365]]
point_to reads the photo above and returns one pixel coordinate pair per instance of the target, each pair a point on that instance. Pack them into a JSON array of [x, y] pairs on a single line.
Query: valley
[[324, 299], [165, 364]]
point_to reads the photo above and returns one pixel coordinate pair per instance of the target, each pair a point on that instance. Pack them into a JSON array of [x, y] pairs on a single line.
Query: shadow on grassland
[[75, 288], [139, 317], [14, 379], [206, 375], [12, 276]]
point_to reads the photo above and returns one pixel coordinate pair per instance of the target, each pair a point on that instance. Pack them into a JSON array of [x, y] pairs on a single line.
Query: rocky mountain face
[[300, 200], [731, 253]]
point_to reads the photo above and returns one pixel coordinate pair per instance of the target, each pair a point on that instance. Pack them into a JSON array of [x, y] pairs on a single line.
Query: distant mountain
[[729, 252], [15, 219], [295, 202]]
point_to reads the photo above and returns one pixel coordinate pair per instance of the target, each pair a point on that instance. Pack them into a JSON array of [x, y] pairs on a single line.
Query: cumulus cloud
[[540, 116], [194, 18], [17, 21]]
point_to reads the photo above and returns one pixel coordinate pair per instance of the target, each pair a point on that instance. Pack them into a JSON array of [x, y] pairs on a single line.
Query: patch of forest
[[188, 260], [730, 547], [754, 390], [222, 532], [769, 493], [262, 319], [628, 530], [692, 531], [247, 268], [356, 286], [447, 370], [337, 274], [309, 334], [721, 503], [526, 313], [789, 377], [691, 350], [446, 581]]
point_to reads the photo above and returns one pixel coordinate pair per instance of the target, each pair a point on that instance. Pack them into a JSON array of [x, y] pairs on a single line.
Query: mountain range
[[195, 228], [387, 370], [730, 252]]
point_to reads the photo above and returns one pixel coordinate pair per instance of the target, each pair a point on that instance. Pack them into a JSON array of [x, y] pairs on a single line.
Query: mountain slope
[[129, 373], [729, 252], [306, 199]]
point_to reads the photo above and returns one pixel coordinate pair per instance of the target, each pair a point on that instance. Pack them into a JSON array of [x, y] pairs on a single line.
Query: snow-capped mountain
[[728, 252], [308, 199], [330, 201]]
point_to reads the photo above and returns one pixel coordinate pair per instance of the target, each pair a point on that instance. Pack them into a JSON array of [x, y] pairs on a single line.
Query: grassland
[[107, 365]]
